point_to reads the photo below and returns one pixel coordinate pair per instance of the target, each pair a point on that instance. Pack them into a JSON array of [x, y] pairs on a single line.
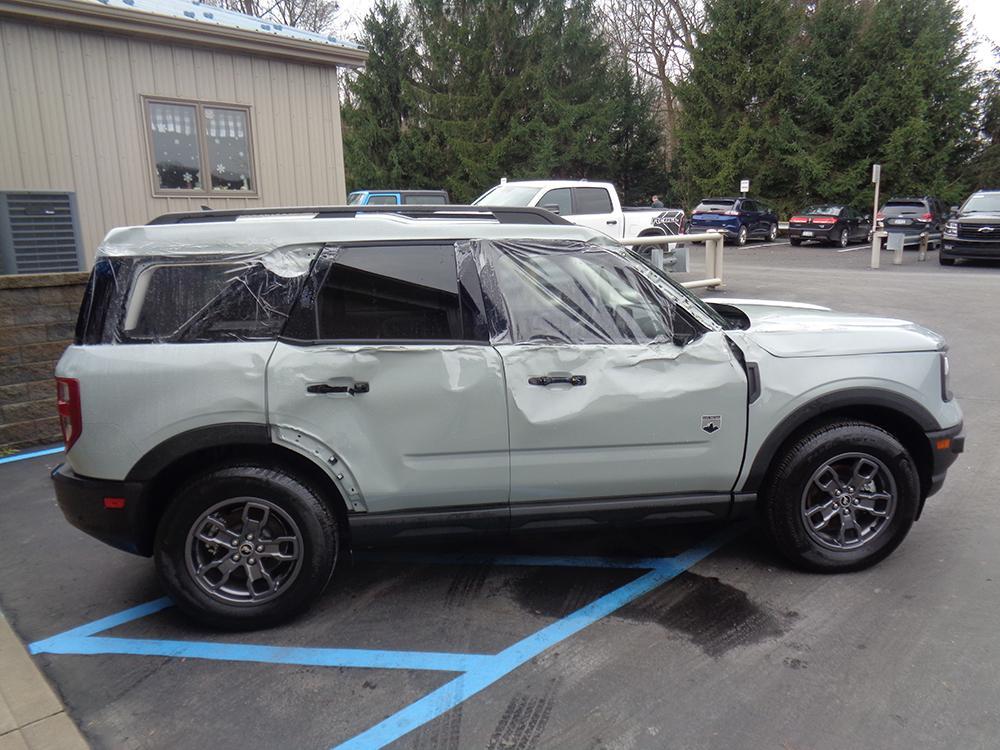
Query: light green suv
[[251, 393]]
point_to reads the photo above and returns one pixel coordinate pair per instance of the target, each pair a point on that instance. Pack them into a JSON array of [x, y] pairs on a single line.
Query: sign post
[[876, 240], [744, 187]]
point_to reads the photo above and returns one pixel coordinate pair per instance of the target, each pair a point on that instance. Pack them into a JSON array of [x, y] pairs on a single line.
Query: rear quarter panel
[[135, 396]]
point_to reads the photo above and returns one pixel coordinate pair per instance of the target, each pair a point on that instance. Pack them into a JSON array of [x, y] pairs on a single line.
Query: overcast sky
[[984, 15]]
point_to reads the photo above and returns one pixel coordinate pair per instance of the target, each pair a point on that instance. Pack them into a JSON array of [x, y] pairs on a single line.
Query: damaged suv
[[252, 393]]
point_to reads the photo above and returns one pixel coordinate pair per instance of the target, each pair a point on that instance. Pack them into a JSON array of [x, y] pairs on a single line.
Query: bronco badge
[[711, 423]]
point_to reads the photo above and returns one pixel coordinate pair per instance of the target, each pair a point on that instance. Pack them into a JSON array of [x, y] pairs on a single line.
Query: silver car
[[252, 393]]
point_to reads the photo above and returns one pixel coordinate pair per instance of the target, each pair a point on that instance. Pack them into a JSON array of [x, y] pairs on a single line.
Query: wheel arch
[[905, 419], [166, 467]]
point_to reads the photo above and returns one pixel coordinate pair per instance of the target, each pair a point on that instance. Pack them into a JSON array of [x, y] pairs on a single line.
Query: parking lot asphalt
[[566, 642]]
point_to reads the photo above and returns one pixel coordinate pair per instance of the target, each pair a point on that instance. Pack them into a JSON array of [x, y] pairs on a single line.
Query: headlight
[[951, 228], [945, 378]]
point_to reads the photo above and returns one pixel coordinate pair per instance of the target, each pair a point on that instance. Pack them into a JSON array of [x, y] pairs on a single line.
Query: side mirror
[[553, 207]]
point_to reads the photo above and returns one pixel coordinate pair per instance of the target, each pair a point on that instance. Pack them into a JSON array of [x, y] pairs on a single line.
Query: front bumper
[[111, 511], [945, 447], [953, 247]]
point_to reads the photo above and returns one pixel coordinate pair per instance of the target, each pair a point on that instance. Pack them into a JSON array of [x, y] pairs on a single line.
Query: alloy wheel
[[849, 501], [244, 551]]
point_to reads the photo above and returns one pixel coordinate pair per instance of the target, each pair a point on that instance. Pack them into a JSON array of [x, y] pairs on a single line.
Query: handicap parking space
[[692, 636]]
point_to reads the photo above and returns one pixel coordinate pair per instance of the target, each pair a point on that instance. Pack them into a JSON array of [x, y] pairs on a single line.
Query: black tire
[[742, 235], [288, 501], [946, 261], [772, 233], [845, 238], [794, 241], [784, 496]]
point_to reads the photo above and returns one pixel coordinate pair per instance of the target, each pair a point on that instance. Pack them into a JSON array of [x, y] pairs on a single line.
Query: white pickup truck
[[589, 204]]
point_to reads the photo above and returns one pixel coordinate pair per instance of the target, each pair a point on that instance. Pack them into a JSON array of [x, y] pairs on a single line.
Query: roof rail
[[501, 214]]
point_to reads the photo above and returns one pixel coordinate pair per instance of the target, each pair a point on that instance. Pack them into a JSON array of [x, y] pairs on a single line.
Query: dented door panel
[[649, 419], [429, 432]]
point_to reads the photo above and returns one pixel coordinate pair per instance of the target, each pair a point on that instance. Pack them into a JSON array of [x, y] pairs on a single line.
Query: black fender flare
[[850, 398], [185, 443]]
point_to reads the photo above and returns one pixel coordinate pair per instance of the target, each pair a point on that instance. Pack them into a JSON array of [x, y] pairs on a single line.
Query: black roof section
[[502, 214]]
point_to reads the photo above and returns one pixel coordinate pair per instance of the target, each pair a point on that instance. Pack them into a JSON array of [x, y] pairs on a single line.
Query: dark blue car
[[740, 219]]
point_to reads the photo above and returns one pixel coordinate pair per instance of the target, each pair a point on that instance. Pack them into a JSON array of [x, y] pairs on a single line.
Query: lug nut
[[252, 561], [236, 558], [249, 537], [260, 547]]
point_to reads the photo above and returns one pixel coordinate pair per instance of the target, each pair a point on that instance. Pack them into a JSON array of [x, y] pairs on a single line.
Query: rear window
[[710, 205], [382, 200], [904, 208], [824, 210]]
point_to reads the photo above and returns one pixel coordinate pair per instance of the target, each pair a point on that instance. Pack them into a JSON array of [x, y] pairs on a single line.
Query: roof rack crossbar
[[502, 214]]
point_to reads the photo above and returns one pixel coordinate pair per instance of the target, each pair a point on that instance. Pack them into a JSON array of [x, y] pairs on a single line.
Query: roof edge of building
[[109, 19]]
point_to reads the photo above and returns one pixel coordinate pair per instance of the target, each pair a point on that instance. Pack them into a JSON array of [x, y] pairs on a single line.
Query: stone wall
[[37, 318]]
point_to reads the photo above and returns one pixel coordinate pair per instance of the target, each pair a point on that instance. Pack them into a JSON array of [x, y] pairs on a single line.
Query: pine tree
[[734, 122]]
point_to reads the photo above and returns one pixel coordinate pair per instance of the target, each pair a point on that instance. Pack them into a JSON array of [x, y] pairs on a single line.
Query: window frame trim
[[146, 100]]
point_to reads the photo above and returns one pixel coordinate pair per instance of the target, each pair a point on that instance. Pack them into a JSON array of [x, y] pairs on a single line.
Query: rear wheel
[[772, 233], [844, 238], [794, 241], [843, 498], [741, 236], [245, 546], [946, 261]]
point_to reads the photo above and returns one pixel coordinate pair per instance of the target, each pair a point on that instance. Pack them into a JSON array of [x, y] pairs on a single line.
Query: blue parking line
[[33, 454], [462, 688], [476, 671], [301, 655]]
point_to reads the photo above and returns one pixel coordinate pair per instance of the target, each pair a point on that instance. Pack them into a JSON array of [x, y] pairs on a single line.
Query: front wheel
[[741, 236], [245, 546], [842, 498]]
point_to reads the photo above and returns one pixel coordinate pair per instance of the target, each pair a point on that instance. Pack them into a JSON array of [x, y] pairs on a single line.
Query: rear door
[[593, 207], [602, 403], [386, 365]]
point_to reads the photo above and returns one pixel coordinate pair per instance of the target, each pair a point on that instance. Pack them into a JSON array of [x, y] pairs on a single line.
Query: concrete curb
[[31, 715]]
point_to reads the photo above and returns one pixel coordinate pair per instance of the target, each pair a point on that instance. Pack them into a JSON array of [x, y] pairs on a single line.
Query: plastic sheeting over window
[[182, 298], [569, 292]]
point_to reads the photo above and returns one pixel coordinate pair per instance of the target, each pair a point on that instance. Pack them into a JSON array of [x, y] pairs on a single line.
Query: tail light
[[68, 406], [926, 217], [799, 220], [824, 220], [880, 216], [730, 212]]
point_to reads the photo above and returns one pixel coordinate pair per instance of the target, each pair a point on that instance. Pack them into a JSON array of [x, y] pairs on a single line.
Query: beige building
[[113, 112]]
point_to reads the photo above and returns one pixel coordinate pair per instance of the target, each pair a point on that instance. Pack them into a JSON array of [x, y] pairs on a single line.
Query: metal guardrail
[[714, 242], [895, 241]]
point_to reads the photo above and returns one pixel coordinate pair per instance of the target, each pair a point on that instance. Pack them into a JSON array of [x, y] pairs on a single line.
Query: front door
[[604, 400], [382, 369]]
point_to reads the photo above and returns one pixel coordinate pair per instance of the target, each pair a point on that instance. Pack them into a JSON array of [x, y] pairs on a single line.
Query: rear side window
[[186, 302], [424, 200], [592, 201], [391, 293], [748, 206]]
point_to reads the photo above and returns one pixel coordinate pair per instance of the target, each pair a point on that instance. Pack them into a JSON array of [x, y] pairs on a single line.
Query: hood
[[792, 329]]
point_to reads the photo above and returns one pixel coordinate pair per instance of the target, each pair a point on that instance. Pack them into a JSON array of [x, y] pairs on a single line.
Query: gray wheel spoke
[[256, 573], [225, 565], [282, 548], [869, 503], [864, 472], [848, 524], [827, 511], [214, 531], [832, 481], [255, 516]]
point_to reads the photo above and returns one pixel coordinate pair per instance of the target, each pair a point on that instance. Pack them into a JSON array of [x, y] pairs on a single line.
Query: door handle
[[613, 221], [553, 379], [353, 390]]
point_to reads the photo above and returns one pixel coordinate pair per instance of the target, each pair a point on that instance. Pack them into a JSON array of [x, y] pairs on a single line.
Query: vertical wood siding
[[71, 118]]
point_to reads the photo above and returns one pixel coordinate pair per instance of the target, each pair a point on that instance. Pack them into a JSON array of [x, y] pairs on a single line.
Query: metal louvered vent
[[39, 233]]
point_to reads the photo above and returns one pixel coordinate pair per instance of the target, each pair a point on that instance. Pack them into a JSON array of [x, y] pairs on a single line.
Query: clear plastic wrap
[[568, 292], [184, 295]]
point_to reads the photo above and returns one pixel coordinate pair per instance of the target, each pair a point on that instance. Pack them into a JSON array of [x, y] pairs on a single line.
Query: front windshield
[[982, 203], [507, 195], [682, 291], [828, 210]]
